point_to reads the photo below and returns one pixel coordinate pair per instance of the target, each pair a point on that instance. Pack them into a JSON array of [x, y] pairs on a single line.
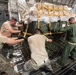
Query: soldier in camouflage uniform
[[39, 55], [70, 47], [4, 65]]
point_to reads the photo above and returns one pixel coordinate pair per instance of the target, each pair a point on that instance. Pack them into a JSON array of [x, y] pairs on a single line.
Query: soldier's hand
[[21, 37]]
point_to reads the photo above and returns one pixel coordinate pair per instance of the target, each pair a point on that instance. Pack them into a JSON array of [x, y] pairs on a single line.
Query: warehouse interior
[[49, 16]]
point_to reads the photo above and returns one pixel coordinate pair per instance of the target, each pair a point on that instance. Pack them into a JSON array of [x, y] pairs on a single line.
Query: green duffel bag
[[44, 27], [56, 26], [61, 24]]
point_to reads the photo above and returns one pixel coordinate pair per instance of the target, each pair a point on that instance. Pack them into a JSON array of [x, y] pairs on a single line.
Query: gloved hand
[[21, 37]]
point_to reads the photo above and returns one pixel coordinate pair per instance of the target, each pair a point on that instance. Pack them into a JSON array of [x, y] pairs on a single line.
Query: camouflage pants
[[68, 50], [28, 67], [5, 66]]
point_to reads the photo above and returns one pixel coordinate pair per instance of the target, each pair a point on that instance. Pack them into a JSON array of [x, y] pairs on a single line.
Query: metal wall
[[3, 11]]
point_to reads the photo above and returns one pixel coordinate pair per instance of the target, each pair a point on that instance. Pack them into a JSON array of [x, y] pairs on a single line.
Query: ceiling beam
[[69, 3]]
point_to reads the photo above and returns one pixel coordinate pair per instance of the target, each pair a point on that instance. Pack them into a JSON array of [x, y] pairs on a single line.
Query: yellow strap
[[20, 32], [39, 15], [25, 31], [52, 33]]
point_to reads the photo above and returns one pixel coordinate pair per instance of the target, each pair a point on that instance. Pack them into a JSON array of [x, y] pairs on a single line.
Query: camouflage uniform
[[70, 47], [39, 55], [4, 65], [3, 39]]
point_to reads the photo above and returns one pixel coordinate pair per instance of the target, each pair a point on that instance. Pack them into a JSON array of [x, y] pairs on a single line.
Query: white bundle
[[64, 18], [26, 19], [32, 9], [54, 18], [32, 2], [44, 18], [33, 18]]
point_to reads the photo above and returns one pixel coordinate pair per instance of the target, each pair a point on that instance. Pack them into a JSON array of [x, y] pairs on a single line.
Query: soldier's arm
[[4, 39], [9, 28], [48, 40], [14, 41], [18, 25], [13, 31]]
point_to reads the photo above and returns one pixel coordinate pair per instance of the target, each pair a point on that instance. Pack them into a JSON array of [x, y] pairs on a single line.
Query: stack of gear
[[58, 43], [50, 19]]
